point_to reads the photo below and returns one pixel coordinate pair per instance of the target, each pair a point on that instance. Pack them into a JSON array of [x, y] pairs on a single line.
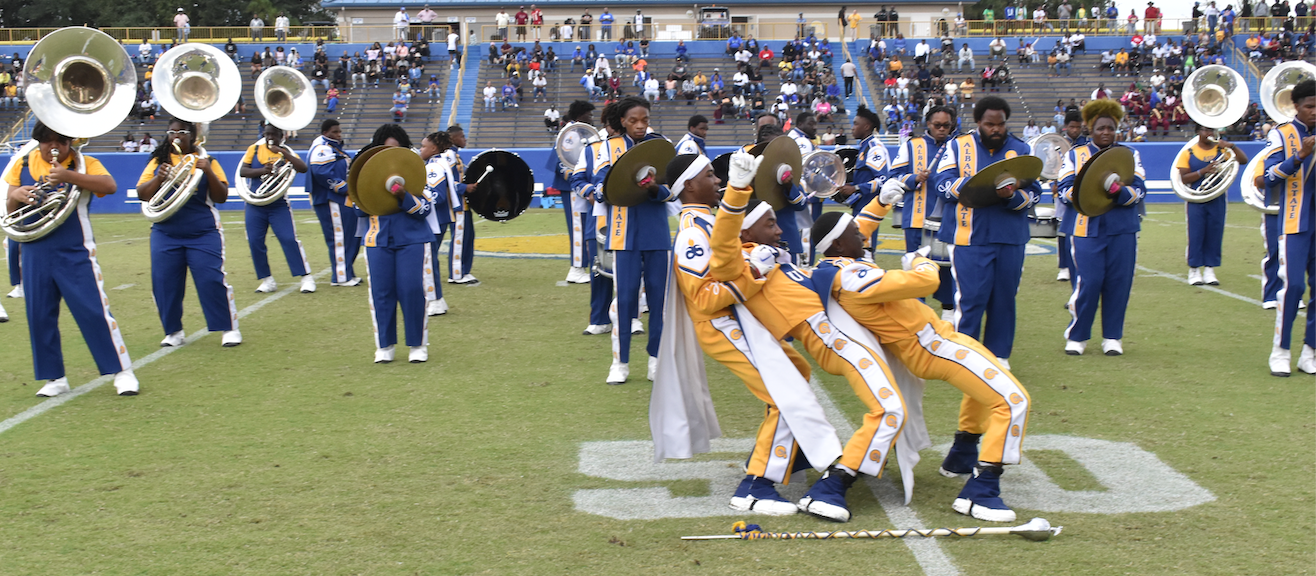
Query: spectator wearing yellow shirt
[[1121, 63], [855, 18], [894, 65], [11, 95]]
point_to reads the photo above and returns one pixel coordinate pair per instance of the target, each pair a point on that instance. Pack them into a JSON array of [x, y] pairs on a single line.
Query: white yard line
[[1184, 280], [927, 551], [45, 406]]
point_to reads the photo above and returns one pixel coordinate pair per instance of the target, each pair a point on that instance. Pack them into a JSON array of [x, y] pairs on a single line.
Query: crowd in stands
[[908, 89]]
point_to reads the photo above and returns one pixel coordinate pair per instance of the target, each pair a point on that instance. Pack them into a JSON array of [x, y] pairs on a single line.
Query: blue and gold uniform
[[986, 244], [276, 215], [691, 144], [593, 229], [1292, 177], [444, 191], [327, 186], [870, 172], [1065, 211], [192, 239], [640, 239], [1206, 220], [913, 156], [14, 252], [397, 255], [62, 265], [789, 218], [461, 249], [1104, 250]]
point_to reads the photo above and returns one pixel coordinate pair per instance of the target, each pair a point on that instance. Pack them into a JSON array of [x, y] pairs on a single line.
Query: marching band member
[[1104, 248], [886, 303], [788, 218], [594, 223], [579, 111], [14, 252], [1206, 220], [461, 249], [788, 306], [397, 255], [259, 161], [62, 265], [192, 239], [327, 186], [639, 238], [1073, 132], [803, 132], [986, 244], [726, 334], [1290, 170], [870, 170], [693, 141], [444, 191]]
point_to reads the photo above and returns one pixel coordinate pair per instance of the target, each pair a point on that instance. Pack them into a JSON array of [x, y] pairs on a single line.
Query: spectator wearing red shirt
[[1151, 19], [765, 57], [536, 20], [521, 19]]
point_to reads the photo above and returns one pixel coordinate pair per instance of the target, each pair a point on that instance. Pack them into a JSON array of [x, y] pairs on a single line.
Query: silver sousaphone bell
[[1215, 97], [288, 101]]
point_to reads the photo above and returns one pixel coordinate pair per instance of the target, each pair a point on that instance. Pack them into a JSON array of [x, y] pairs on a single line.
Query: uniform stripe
[[370, 299], [340, 251], [458, 233], [775, 468], [301, 250], [1000, 382], [428, 280], [223, 273]]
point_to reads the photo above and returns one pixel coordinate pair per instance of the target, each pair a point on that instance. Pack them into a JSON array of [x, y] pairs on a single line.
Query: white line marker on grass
[[123, 287], [1208, 288], [45, 406]]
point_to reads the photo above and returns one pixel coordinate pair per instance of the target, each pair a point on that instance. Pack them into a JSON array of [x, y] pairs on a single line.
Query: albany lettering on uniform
[[968, 167], [919, 147]]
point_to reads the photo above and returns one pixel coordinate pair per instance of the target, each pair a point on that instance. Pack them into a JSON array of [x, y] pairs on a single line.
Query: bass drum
[[502, 193], [849, 156], [1042, 223]]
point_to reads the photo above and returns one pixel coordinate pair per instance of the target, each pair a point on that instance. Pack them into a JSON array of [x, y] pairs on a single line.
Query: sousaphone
[[1216, 97], [1277, 88], [81, 83], [1096, 177], [1051, 148], [642, 166], [1259, 198], [823, 173], [287, 100]]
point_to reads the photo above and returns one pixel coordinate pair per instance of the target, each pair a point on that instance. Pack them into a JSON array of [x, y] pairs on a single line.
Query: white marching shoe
[[354, 281], [618, 373], [1074, 348], [1194, 276], [17, 292], [1063, 276], [1208, 276], [4, 316], [1307, 360], [948, 315], [1279, 362], [54, 388], [653, 367], [308, 284], [231, 338], [596, 329], [125, 383], [467, 279], [418, 354], [637, 327], [384, 355], [437, 307], [175, 339], [578, 275], [1269, 305], [267, 285], [1112, 347], [1005, 362]]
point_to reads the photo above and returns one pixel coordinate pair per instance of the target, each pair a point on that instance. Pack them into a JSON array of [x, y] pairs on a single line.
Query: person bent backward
[[886, 302], [745, 233]]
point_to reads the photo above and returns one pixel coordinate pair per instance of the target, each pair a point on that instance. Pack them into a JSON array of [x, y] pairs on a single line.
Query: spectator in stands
[[651, 89], [550, 60], [996, 49], [682, 52], [1031, 131], [1021, 54], [583, 30], [921, 52], [1122, 63], [256, 25], [566, 32], [966, 55], [331, 100], [1062, 62], [509, 96], [552, 119], [147, 143], [578, 57], [540, 82], [670, 86], [1049, 128], [605, 25], [128, 144]]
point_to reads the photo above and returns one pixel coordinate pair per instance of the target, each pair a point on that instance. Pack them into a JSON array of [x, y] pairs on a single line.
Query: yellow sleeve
[[870, 218], [708, 295], [15, 175], [251, 153], [864, 284], [93, 167], [728, 260], [219, 171], [148, 173]]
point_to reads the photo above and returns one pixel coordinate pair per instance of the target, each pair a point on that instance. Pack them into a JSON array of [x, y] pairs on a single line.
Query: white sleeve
[[902, 156], [693, 251]]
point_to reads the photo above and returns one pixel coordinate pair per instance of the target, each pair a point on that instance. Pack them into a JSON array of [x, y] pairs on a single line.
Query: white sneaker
[[618, 373], [653, 367], [418, 354], [467, 279], [1194, 276], [1307, 360], [267, 285], [948, 315], [17, 292], [596, 329], [1005, 362], [1074, 348], [1279, 362], [637, 327], [125, 383], [231, 338], [1208, 276], [1063, 276], [4, 316], [968, 508], [1302, 304], [308, 284], [1113, 347], [578, 275], [175, 339], [354, 281], [437, 307], [54, 388], [1269, 305], [384, 355]]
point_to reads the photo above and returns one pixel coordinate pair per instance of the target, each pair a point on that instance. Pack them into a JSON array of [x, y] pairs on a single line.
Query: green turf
[[294, 454]]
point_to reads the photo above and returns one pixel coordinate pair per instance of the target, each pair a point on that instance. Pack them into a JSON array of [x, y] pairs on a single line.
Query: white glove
[[742, 168], [892, 192], [907, 261], [763, 258]]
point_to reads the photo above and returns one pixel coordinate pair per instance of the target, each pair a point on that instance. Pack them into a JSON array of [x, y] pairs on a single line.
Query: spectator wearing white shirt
[[1078, 42], [651, 89], [144, 52], [501, 20], [961, 25], [567, 33], [1039, 20], [1157, 79], [490, 96], [997, 49], [966, 55], [401, 24], [552, 119], [182, 25], [790, 91], [1107, 61], [742, 56], [257, 27], [128, 144], [739, 82], [281, 24], [1049, 128], [921, 51], [1032, 130], [453, 39]]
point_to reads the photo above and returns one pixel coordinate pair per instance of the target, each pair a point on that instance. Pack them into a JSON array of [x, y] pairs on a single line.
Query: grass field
[[294, 454]]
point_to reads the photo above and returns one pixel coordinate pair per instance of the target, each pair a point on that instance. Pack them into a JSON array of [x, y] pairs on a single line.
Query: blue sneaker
[[826, 498], [962, 457], [981, 496], [757, 494]]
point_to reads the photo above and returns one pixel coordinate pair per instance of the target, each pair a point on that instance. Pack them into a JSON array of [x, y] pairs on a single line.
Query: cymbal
[[980, 190], [1090, 197], [781, 169], [379, 171], [354, 171], [646, 159]]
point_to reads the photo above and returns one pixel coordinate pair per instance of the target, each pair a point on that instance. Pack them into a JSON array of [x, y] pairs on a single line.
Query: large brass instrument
[[287, 101], [1215, 97]]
